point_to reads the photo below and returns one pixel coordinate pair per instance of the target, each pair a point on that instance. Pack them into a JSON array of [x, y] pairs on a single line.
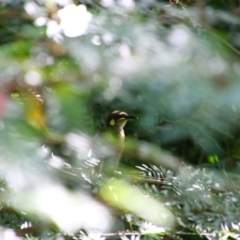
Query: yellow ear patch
[[112, 122]]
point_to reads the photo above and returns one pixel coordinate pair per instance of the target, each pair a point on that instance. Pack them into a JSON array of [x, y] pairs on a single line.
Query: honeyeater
[[114, 132]]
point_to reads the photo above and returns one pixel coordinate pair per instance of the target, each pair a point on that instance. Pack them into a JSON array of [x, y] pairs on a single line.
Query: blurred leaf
[[35, 110], [122, 195]]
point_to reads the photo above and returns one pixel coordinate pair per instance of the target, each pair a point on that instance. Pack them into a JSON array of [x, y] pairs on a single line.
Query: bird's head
[[117, 119]]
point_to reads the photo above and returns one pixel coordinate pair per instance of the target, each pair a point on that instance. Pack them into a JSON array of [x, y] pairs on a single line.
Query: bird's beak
[[131, 117]]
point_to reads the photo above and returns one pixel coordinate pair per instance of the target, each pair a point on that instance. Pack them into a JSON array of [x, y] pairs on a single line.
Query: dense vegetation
[[64, 66]]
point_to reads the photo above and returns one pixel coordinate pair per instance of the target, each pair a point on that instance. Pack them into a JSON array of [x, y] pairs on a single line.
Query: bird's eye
[[112, 122]]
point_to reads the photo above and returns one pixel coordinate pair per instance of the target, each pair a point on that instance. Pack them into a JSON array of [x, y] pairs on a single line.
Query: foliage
[[64, 67]]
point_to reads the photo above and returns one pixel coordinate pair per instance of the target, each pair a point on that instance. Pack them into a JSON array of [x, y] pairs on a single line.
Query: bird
[[115, 123], [109, 144]]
